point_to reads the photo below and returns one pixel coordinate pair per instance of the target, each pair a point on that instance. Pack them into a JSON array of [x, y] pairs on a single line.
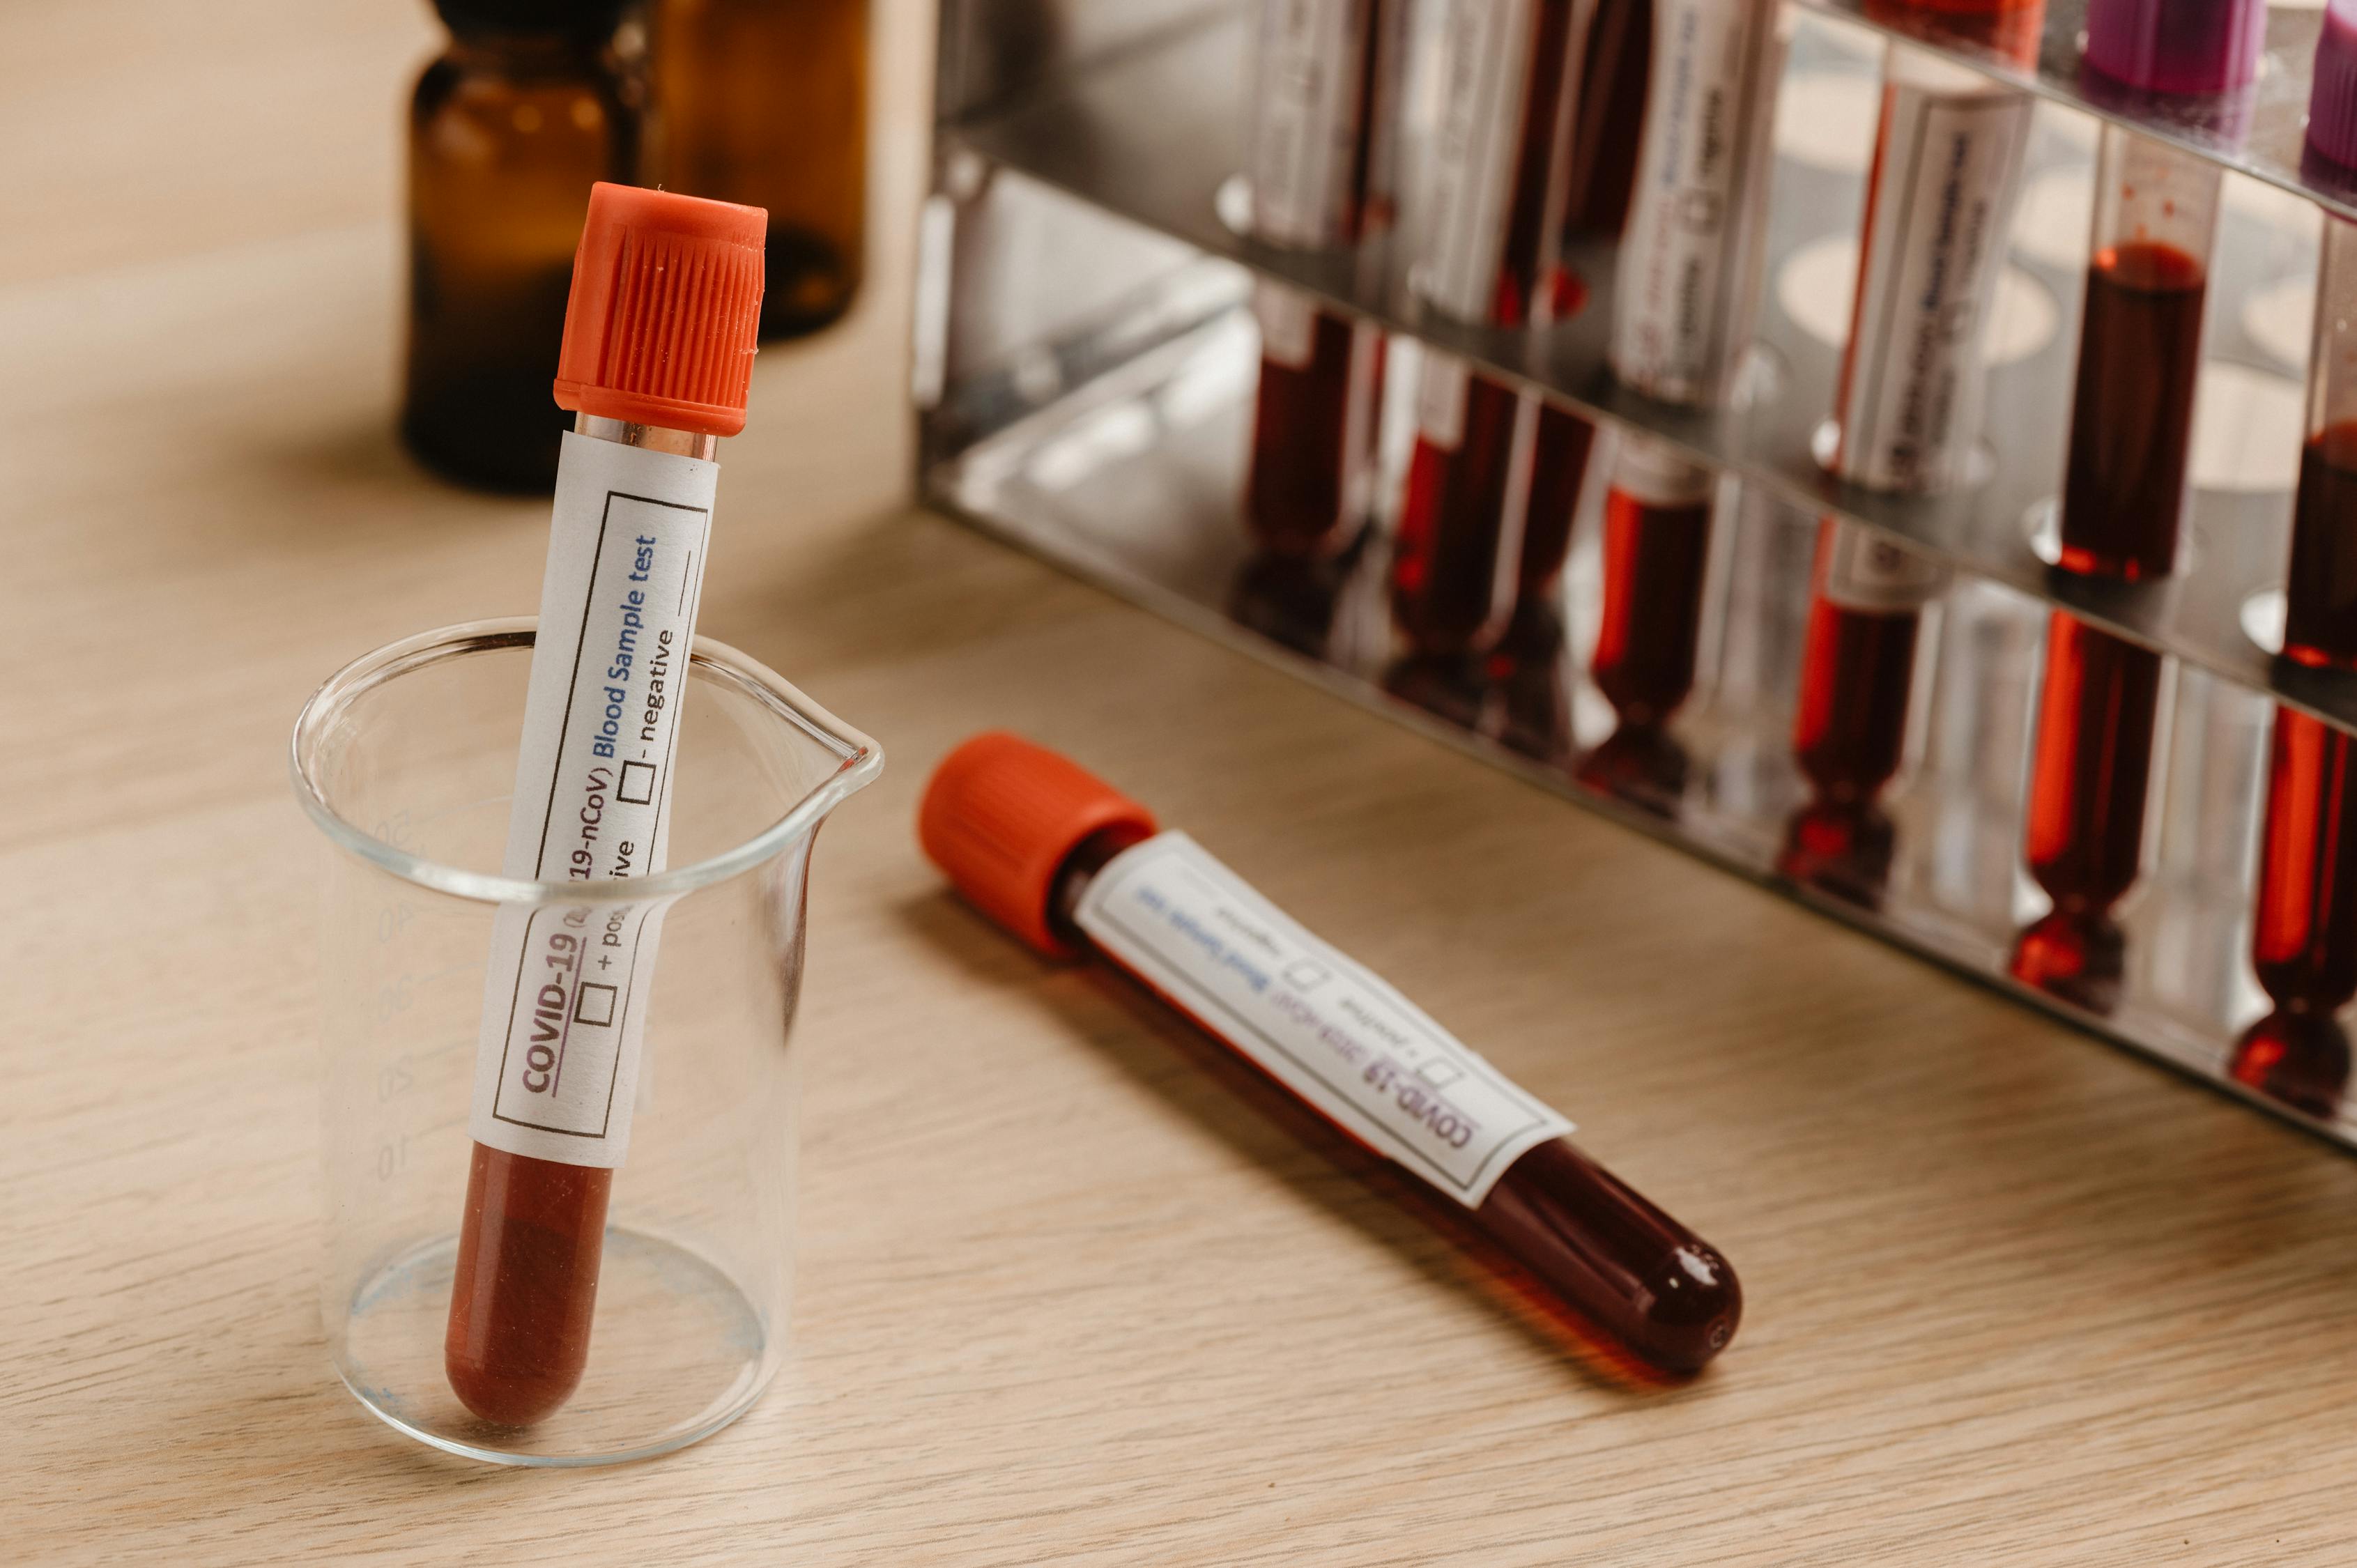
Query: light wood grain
[[2014, 1296]]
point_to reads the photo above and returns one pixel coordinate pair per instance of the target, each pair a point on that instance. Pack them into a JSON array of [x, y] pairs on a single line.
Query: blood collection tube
[[1907, 412], [1849, 731], [1657, 518], [2321, 591], [1322, 109], [1070, 865], [2124, 496], [2124, 488], [1493, 249], [2304, 933], [1566, 442], [1656, 544], [658, 349], [2085, 819], [1690, 258]]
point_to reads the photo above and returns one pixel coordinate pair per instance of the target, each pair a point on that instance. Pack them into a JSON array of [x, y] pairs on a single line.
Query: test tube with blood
[[658, 351], [1323, 102], [1070, 865]]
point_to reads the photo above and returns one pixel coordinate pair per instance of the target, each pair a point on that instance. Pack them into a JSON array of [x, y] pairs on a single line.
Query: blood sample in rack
[[2320, 589], [2304, 931], [2084, 830], [1492, 252], [1070, 865], [2124, 491], [1850, 728], [1906, 418], [1323, 105], [1657, 517], [2122, 501], [1527, 665]]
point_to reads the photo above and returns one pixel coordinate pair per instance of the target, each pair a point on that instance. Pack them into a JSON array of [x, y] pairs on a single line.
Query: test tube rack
[[1085, 363]]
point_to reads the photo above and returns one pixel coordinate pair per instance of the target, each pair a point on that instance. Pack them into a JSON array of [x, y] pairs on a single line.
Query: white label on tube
[[1687, 259], [1306, 119], [1288, 325], [1867, 573], [1646, 470], [1476, 154], [1356, 1050], [565, 999], [1440, 394], [1949, 162]]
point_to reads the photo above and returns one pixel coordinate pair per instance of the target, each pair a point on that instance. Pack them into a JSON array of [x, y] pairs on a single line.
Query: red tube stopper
[[1000, 817], [666, 302]]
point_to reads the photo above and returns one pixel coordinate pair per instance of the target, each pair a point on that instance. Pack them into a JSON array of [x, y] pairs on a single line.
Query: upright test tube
[[659, 340], [2124, 489], [1858, 681], [1906, 418], [1073, 866], [1320, 166], [2123, 486], [1680, 328], [2320, 590], [2304, 931], [1657, 518], [1492, 249], [2084, 817]]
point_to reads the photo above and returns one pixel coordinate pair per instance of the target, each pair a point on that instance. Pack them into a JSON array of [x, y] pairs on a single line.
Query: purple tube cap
[[2177, 45], [2332, 92]]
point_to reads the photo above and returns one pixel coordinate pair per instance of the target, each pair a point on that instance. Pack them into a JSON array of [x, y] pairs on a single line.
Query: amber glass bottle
[[765, 101], [508, 131]]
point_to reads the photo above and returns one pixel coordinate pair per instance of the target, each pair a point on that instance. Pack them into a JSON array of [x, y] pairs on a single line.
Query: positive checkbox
[[593, 1004], [638, 785]]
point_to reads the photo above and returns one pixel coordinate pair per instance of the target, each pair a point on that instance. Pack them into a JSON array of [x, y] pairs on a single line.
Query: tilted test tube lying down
[[1073, 866]]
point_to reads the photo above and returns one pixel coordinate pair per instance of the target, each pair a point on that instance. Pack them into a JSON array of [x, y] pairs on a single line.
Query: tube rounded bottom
[[526, 1284]]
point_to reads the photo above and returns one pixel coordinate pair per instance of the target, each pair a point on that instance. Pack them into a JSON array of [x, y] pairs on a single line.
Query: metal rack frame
[[1079, 269]]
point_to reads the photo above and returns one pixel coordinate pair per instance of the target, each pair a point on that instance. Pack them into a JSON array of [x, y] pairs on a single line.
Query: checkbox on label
[[593, 1004], [638, 785], [1303, 975], [1439, 1073]]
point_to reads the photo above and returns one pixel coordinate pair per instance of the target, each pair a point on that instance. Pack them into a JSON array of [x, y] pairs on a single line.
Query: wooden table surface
[[2014, 1296]]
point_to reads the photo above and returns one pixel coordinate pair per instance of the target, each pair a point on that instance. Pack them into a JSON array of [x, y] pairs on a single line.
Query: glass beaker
[[406, 760]]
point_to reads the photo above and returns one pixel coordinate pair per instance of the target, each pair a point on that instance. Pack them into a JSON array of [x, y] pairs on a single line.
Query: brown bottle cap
[[666, 301], [999, 817]]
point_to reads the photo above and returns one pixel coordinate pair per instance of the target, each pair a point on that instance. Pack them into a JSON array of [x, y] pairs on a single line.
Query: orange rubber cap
[[666, 301], [1001, 815]]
